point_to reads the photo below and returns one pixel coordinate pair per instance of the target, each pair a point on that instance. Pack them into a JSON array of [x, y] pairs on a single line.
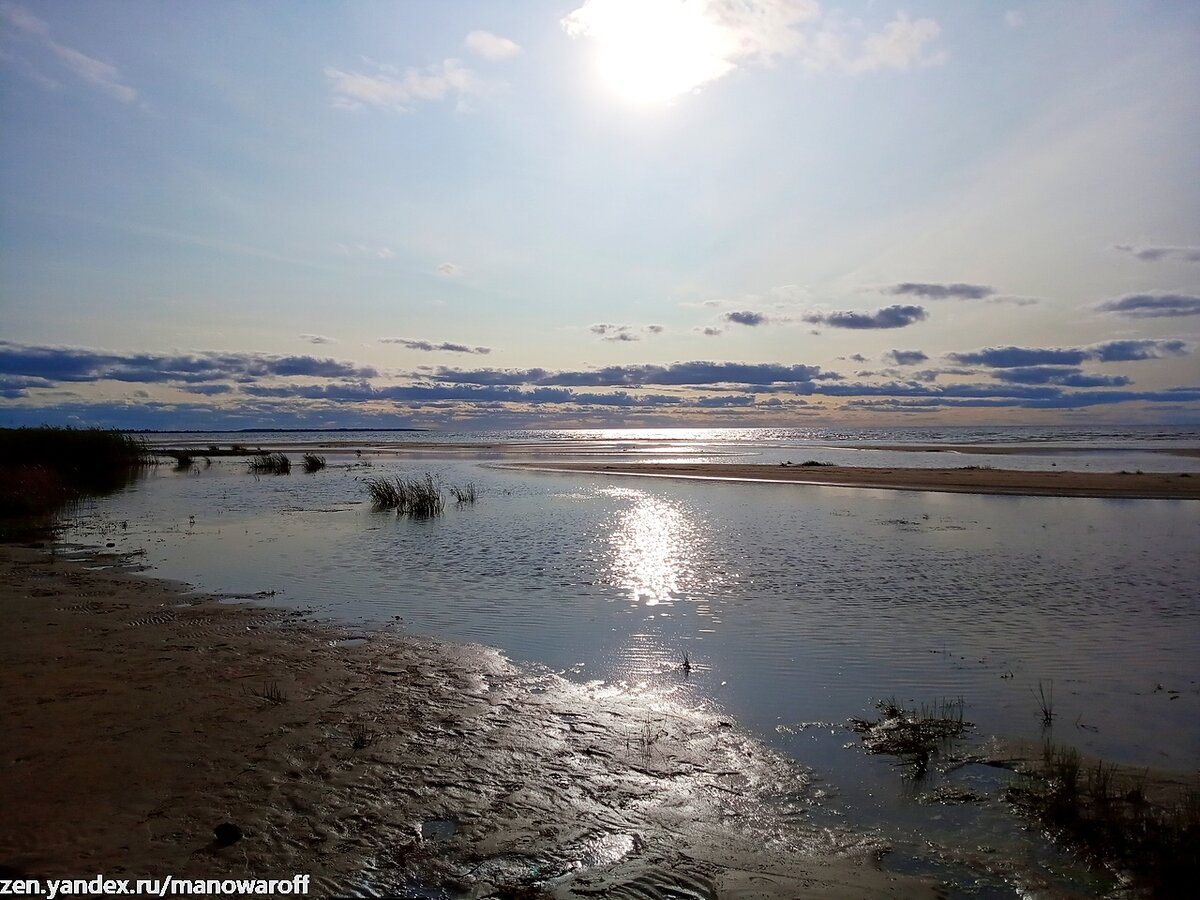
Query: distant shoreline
[[969, 480]]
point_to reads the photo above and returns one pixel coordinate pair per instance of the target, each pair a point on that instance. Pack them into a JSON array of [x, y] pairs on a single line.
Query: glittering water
[[796, 606]]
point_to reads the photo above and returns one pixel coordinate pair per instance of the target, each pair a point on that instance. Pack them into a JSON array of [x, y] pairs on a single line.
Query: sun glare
[[650, 51]]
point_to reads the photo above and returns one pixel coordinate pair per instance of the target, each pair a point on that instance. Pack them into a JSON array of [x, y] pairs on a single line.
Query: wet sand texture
[[1116, 485], [136, 718]]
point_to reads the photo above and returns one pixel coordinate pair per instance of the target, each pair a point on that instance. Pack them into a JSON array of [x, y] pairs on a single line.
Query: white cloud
[[900, 45], [386, 88], [317, 339], [21, 18], [101, 74], [450, 270], [1014, 18], [104, 76], [492, 47]]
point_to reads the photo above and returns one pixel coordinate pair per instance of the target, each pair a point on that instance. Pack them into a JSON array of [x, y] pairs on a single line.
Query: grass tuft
[[913, 735], [313, 463], [270, 464], [417, 497], [1045, 699], [463, 495], [271, 693]]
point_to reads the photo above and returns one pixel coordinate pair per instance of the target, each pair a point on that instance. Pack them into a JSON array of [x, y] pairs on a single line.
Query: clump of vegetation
[[416, 497], [465, 494], [270, 464], [813, 462], [913, 735], [1108, 813], [271, 693], [362, 737], [1045, 699], [313, 462], [43, 469]]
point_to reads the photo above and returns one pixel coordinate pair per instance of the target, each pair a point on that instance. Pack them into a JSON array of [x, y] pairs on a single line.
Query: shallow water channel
[[798, 607]]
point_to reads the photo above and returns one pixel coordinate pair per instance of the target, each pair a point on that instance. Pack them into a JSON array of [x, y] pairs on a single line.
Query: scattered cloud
[[364, 250], [492, 47], [745, 317], [1153, 306], [1068, 376], [317, 339], [1156, 254], [83, 365], [906, 357], [103, 76], [390, 89], [681, 373], [711, 331], [1014, 18], [901, 44], [623, 332], [888, 317], [935, 291], [450, 270], [430, 346], [1109, 351]]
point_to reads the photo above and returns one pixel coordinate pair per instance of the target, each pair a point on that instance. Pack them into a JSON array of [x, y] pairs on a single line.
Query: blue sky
[[611, 212]]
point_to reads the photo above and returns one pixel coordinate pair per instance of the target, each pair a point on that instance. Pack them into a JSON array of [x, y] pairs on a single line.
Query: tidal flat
[[797, 607]]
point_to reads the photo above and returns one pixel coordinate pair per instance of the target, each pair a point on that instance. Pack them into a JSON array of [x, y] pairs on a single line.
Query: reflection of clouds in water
[[656, 548]]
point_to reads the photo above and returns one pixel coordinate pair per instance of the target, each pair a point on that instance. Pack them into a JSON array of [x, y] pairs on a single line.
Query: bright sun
[[651, 51]]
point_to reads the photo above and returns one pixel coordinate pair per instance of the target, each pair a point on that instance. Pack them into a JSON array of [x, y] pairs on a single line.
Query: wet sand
[[138, 716], [1115, 485]]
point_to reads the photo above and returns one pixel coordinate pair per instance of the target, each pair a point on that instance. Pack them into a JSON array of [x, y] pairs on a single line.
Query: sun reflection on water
[[656, 549]]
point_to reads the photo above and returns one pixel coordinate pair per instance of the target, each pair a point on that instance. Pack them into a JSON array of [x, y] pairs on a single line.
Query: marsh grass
[[1105, 811], [361, 736], [416, 497], [313, 462], [270, 692], [913, 735], [463, 495], [44, 469], [270, 464], [1045, 699]]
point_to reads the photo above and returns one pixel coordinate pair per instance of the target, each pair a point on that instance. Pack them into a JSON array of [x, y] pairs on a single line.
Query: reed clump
[[313, 462], [913, 735], [1109, 813], [465, 494], [270, 464], [43, 469], [416, 497]]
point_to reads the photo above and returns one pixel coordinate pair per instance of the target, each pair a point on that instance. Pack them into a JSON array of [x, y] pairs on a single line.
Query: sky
[[599, 213]]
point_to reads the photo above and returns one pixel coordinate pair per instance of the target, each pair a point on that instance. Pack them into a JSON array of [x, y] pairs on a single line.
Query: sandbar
[[138, 715], [972, 480]]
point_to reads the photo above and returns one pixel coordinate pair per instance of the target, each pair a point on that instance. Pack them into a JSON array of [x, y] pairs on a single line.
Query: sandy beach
[[973, 480], [139, 716]]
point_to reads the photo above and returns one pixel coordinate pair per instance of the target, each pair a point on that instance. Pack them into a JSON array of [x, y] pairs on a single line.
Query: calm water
[[798, 606]]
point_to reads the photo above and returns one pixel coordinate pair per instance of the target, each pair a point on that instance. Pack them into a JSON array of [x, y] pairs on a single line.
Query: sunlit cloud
[[491, 47], [389, 89]]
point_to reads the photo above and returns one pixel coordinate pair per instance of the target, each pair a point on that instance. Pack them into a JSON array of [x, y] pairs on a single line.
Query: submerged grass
[[416, 497], [270, 464], [913, 735], [465, 494], [1105, 811], [43, 469]]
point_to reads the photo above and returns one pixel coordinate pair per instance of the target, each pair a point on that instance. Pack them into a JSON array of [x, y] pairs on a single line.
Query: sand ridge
[[972, 480]]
